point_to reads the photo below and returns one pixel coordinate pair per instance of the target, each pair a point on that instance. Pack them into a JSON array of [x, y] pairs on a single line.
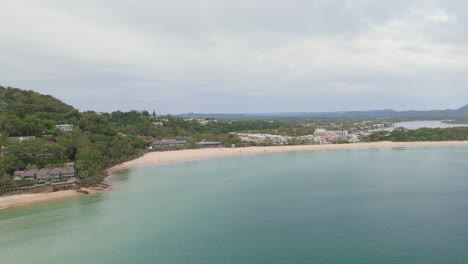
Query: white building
[[320, 132], [264, 138], [353, 138]]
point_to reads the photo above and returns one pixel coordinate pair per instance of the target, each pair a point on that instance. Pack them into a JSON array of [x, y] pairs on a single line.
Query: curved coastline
[[157, 158]]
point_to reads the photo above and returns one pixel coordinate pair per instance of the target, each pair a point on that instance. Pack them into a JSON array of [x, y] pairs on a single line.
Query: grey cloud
[[238, 56]]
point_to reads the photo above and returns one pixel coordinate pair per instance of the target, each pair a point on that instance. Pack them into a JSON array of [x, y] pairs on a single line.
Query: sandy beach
[[32, 198], [155, 158]]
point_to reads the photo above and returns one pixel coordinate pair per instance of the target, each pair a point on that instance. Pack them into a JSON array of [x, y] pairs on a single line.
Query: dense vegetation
[[422, 134], [97, 139], [92, 144]]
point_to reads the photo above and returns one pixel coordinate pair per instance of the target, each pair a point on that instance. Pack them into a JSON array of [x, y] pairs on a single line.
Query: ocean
[[387, 205]]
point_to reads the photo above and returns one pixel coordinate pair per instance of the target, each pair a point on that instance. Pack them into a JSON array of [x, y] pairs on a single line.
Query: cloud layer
[[238, 56]]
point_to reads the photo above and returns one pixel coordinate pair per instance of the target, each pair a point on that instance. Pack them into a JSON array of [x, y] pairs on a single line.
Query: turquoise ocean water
[[400, 205]]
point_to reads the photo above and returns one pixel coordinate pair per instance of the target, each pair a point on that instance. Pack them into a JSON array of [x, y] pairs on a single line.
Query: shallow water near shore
[[398, 205]]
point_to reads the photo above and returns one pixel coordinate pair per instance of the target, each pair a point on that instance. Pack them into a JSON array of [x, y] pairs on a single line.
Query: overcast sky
[[238, 56]]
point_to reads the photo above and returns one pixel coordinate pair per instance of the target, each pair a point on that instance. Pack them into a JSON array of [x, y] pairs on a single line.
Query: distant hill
[[25, 112], [14, 100], [463, 109], [386, 113]]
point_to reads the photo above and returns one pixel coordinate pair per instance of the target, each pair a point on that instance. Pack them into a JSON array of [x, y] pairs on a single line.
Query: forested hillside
[[95, 140], [91, 144]]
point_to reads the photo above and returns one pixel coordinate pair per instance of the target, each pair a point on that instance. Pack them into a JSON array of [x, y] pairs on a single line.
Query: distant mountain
[[218, 116], [463, 109], [385, 113]]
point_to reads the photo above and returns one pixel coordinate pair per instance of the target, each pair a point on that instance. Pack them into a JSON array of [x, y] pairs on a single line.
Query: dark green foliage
[[29, 113], [422, 134], [93, 144]]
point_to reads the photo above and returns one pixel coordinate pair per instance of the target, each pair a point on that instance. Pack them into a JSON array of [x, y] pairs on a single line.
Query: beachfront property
[[65, 127], [278, 139], [327, 135], [48, 175], [170, 144], [320, 136], [353, 138], [307, 140], [209, 144]]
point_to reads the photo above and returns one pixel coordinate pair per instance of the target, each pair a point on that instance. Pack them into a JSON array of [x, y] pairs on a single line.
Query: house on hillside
[[65, 127]]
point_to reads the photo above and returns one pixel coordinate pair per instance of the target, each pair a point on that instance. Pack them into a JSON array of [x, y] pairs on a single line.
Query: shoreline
[[33, 198], [165, 157]]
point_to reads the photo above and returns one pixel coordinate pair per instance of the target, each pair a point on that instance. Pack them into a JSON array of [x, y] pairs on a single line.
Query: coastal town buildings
[[320, 132], [264, 138], [329, 135], [320, 136]]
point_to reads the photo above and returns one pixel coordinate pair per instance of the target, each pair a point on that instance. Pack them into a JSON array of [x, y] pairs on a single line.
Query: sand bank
[[155, 158]]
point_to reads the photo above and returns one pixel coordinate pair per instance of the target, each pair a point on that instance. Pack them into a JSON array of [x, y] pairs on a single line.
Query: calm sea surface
[[400, 205]]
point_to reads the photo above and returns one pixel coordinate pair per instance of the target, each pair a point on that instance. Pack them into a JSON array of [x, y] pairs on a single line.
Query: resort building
[[45, 175], [209, 144], [170, 144]]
